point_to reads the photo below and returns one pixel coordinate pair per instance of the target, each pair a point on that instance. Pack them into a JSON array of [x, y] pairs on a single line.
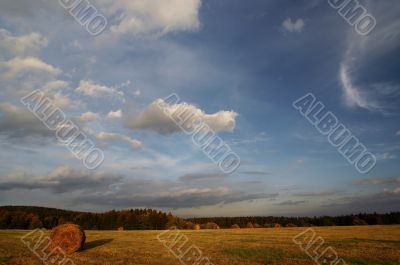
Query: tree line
[[29, 217], [271, 221]]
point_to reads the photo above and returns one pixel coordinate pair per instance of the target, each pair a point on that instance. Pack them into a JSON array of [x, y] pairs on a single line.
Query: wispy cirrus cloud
[[107, 136]]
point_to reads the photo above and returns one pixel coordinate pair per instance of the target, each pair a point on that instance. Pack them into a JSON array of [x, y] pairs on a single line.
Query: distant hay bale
[[249, 225], [121, 228], [196, 227], [68, 238], [235, 226], [211, 225], [277, 225], [255, 225]]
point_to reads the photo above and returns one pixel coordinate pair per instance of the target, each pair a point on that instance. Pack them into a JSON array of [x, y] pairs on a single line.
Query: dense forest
[[28, 217], [345, 220]]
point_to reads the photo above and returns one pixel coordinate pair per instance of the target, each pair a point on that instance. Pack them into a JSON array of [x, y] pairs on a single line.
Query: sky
[[239, 65]]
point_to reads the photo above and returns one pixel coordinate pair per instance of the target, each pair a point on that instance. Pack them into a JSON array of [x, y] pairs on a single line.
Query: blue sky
[[241, 65]]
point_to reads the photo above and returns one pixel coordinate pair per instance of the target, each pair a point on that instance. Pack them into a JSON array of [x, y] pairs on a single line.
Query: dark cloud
[[290, 203], [382, 202], [19, 123], [195, 177], [62, 180], [182, 199], [101, 189]]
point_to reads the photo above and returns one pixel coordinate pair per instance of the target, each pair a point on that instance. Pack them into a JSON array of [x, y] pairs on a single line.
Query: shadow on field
[[96, 243]]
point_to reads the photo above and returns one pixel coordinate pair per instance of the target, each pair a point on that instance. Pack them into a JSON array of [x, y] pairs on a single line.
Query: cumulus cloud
[[88, 116], [151, 16], [107, 136], [114, 114], [91, 89], [28, 44], [293, 26], [154, 118], [18, 65]]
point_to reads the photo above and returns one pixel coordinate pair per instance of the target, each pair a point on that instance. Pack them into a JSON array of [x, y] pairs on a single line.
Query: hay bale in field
[[68, 238], [235, 226], [249, 225], [277, 225], [121, 228], [196, 227], [211, 225]]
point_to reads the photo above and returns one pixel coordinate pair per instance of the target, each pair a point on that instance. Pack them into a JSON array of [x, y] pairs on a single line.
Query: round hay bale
[[67, 238], [249, 225], [196, 227], [235, 226]]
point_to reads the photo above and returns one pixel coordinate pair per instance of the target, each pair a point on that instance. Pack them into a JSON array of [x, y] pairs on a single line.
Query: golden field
[[367, 245]]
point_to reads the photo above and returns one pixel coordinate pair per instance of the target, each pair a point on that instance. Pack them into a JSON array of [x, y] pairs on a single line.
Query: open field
[[367, 245]]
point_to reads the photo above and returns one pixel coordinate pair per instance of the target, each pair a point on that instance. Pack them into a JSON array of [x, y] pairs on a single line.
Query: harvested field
[[364, 245]]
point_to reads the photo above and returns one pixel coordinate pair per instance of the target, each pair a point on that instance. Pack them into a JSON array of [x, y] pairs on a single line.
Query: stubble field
[[367, 245]]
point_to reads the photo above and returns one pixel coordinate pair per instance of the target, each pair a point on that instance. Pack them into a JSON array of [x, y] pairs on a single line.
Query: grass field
[[367, 245]]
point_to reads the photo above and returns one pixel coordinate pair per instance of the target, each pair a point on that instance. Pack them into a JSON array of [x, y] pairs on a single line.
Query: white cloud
[[352, 94], [136, 92], [385, 156], [293, 26], [365, 51], [107, 136], [88, 116], [22, 45], [152, 16], [114, 114], [90, 88], [154, 118], [398, 133], [19, 65]]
